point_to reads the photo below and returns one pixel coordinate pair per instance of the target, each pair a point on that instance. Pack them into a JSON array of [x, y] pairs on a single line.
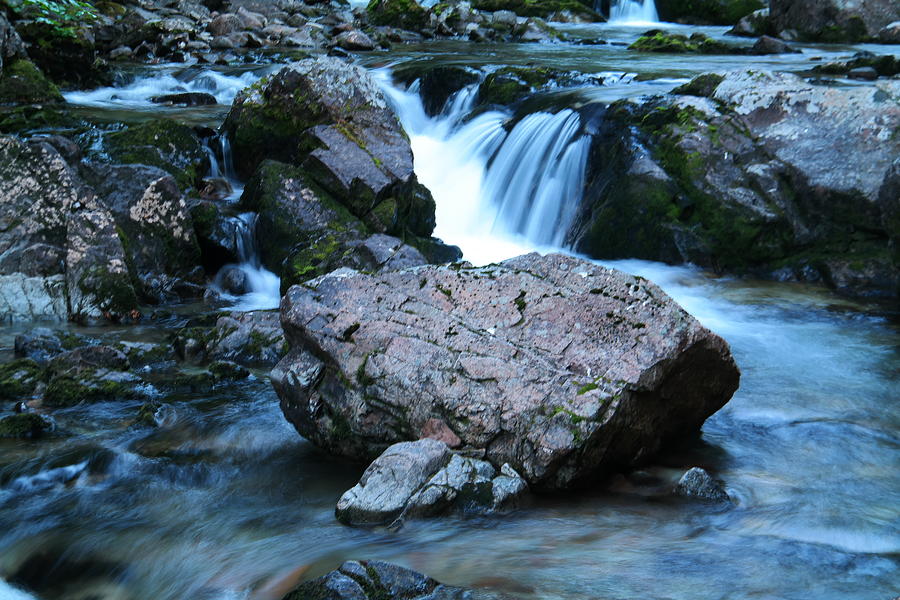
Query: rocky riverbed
[[420, 237]]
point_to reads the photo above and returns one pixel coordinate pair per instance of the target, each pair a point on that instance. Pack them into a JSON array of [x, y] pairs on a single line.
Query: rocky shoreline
[[468, 389]]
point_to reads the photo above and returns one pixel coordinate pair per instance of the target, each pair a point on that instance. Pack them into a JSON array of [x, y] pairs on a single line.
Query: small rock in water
[[24, 425], [863, 74], [697, 483], [422, 479], [233, 281], [186, 99], [354, 41], [770, 45]]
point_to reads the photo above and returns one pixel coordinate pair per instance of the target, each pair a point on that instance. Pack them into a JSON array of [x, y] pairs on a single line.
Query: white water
[[498, 193], [633, 12], [137, 94]]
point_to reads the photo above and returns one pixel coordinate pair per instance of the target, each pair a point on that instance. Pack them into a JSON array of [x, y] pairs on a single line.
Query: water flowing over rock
[[423, 478], [750, 172], [697, 483], [833, 20], [563, 369]]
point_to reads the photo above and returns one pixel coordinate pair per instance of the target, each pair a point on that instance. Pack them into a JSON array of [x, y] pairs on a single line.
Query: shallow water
[[225, 498]]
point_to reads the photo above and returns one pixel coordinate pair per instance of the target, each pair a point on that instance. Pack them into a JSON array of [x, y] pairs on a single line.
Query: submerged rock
[[749, 172], [25, 425], [422, 479], [697, 483], [374, 580], [565, 370]]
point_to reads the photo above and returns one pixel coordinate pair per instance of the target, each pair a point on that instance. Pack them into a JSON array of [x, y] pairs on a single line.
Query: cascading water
[[498, 192], [637, 12], [247, 284]]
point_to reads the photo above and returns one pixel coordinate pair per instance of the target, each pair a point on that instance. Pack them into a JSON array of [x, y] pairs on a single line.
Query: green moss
[[589, 387], [68, 390], [112, 292], [23, 83], [403, 14], [147, 413], [673, 43], [25, 425], [702, 85], [170, 146], [19, 378], [224, 370]]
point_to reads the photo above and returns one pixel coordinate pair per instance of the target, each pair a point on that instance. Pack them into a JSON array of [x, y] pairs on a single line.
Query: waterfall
[[502, 187], [247, 285], [637, 12]]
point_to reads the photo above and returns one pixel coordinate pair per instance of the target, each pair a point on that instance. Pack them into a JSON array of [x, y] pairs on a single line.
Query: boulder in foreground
[[563, 369]]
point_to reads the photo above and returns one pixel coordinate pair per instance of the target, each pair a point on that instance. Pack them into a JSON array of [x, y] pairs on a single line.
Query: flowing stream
[[225, 500]]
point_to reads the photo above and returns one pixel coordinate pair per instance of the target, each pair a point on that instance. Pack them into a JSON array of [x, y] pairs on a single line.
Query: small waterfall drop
[[247, 285], [499, 191], [633, 12]]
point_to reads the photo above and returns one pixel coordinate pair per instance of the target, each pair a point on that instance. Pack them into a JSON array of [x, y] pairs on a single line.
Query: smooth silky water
[[227, 501]]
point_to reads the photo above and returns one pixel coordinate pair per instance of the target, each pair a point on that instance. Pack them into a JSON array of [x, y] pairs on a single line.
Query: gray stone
[[374, 580], [834, 20], [354, 41], [541, 362], [769, 45], [697, 483], [755, 24], [890, 33], [863, 73], [40, 345]]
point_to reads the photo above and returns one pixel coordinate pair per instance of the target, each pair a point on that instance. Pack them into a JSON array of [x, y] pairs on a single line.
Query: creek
[[226, 498]]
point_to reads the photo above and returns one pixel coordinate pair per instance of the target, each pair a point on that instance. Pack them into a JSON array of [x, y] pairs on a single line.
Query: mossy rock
[[225, 370], [53, 117], [146, 414], [702, 85], [163, 143], [707, 12], [403, 14], [886, 65], [24, 425], [87, 386], [674, 43], [22, 82], [540, 8], [511, 84], [19, 378]]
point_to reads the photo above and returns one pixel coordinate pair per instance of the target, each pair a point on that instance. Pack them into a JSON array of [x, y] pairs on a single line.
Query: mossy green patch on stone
[[702, 85], [25, 425], [403, 14], [21, 82], [163, 143], [674, 43], [19, 378], [86, 386]]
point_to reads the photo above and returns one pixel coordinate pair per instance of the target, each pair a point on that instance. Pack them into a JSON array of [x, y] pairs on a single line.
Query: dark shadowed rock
[[374, 580], [185, 99], [697, 483], [769, 45], [755, 24], [25, 425], [40, 345], [832, 20], [749, 172], [332, 118], [354, 41], [423, 479], [563, 369]]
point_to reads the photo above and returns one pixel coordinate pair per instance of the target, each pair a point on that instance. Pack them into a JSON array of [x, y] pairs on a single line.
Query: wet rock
[[38, 190], [152, 413], [40, 345], [768, 45], [170, 146], [25, 425], [707, 12], [379, 253], [373, 580], [344, 135], [676, 43], [747, 187], [459, 343], [863, 73], [890, 33], [354, 41], [19, 378], [224, 24], [186, 99], [11, 45], [511, 84], [755, 24], [218, 233], [251, 338], [69, 150], [884, 65], [97, 276], [88, 358], [403, 14], [697, 483], [438, 84], [90, 385], [233, 280], [422, 479], [225, 370], [154, 227], [22, 82], [833, 20]]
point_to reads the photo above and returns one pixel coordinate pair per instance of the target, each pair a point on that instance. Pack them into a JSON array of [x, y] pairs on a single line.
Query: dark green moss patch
[[25, 425], [23, 83]]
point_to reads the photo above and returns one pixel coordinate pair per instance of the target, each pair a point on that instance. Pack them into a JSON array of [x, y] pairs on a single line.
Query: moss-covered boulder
[[554, 10], [732, 174], [19, 378], [21, 82], [25, 425], [510, 84], [163, 143], [885, 65], [675, 43], [332, 119], [707, 12], [89, 374], [832, 20], [403, 14], [70, 59]]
